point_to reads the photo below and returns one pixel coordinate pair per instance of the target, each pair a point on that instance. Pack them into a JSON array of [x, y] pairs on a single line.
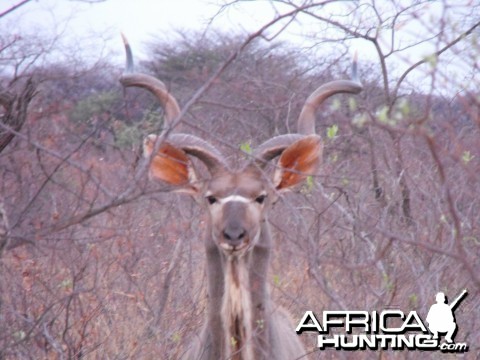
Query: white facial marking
[[237, 198]]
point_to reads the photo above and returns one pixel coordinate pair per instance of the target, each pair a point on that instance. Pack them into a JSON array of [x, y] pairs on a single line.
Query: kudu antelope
[[241, 322]]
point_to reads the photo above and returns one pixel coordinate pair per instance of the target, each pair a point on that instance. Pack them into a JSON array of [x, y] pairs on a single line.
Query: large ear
[[170, 164], [298, 161]]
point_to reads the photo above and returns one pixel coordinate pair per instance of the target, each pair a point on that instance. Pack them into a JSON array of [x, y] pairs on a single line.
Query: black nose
[[234, 234]]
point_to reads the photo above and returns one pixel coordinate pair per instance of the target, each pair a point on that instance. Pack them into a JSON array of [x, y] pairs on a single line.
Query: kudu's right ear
[[170, 164], [299, 160]]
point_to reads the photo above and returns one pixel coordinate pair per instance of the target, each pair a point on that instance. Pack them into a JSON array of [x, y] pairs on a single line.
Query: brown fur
[[242, 322]]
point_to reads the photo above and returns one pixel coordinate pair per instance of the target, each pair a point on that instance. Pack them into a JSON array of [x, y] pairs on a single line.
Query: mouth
[[234, 249]]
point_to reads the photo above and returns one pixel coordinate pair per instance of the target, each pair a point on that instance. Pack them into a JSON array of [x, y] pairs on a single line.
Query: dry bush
[[101, 263]]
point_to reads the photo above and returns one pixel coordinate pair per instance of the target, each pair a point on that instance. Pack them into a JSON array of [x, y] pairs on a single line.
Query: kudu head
[[237, 199]]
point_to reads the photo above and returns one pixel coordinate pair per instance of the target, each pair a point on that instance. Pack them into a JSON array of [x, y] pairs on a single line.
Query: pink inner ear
[[302, 158], [171, 165]]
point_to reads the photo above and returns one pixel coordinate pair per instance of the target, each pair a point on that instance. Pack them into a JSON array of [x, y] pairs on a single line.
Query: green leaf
[[20, 335], [467, 157], [66, 284], [336, 104], [176, 337], [333, 158], [352, 103], [246, 147], [382, 115], [404, 107], [332, 131], [432, 60], [310, 183], [387, 282], [413, 299]]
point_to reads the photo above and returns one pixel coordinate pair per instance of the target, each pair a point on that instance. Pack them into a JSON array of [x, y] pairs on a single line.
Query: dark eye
[[261, 199], [211, 199]]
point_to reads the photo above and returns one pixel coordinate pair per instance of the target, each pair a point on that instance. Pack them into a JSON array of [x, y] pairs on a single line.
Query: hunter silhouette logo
[[440, 317], [363, 330]]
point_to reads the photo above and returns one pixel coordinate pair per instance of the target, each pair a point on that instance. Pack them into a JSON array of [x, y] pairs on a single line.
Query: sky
[[92, 31], [81, 22], [144, 20], [140, 20]]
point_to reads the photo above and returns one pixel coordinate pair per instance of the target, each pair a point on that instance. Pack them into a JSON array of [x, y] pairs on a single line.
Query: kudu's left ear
[[170, 164], [299, 160]]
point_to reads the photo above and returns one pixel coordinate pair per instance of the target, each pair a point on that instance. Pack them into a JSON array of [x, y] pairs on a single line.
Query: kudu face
[[236, 204]]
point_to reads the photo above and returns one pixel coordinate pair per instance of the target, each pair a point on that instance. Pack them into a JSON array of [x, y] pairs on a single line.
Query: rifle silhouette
[[457, 300]]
